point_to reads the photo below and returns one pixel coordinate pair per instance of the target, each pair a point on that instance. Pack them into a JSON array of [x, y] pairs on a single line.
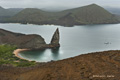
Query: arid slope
[[92, 66]]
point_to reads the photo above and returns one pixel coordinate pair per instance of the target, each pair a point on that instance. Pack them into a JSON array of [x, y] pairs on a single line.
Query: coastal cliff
[[31, 41]]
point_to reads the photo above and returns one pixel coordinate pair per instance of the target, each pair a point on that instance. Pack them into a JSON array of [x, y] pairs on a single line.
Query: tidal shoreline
[[17, 51]]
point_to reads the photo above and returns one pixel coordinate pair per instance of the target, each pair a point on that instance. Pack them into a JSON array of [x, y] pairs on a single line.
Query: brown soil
[[92, 66]]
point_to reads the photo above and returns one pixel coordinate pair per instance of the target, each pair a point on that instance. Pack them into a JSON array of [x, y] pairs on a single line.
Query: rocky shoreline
[[93, 66], [32, 41]]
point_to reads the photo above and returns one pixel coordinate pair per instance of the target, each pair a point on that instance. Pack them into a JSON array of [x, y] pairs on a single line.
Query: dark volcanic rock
[[55, 39], [21, 40], [32, 41]]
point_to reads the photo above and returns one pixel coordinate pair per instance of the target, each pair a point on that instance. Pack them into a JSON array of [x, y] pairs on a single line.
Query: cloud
[[56, 3]]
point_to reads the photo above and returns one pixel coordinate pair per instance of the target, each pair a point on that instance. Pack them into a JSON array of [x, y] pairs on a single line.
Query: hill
[[29, 15], [113, 10], [15, 10], [8, 12], [5, 12], [92, 66], [90, 14]]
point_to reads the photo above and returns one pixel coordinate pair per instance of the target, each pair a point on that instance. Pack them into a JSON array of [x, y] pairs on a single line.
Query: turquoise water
[[74, 41]]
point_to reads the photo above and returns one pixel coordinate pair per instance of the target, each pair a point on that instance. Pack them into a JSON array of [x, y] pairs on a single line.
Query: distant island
[[90, 14]]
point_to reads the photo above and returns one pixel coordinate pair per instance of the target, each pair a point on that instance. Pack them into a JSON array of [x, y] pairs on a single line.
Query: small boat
[[107, 43]]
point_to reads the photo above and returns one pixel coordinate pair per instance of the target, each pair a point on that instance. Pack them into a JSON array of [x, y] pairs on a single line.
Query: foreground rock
[[32, 41], [93, 66]]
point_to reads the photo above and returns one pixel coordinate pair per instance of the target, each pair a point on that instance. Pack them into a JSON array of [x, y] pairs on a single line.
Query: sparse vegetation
[[91, 14], [7, 57]]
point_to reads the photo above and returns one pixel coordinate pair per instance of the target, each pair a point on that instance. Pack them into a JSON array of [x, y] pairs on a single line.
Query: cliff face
[[32, 41]]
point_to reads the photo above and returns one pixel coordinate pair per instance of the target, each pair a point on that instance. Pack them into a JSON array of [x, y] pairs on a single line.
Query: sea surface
[[74, 41]]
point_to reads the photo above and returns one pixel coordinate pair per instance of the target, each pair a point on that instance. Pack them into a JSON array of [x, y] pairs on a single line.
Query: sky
[[56, 3]]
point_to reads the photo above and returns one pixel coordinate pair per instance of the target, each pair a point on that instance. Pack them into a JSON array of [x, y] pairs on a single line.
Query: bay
[[74, 41]]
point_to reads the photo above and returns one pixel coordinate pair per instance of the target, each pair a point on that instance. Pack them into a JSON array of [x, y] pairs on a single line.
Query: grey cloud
[[56, 3]]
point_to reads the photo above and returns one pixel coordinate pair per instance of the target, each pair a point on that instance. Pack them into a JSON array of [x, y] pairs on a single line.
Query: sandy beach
[[17, 51]]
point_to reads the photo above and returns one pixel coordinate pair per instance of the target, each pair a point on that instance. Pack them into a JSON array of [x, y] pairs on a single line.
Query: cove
[[74, 41]]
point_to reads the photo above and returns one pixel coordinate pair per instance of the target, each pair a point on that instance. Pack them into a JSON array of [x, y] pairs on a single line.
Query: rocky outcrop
[[55, 39], [32, 41]]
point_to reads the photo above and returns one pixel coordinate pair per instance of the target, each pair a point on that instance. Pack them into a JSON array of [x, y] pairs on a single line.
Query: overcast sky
[[55, 3]]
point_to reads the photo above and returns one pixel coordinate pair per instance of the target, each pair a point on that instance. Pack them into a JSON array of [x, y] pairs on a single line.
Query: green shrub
[[7, 57]]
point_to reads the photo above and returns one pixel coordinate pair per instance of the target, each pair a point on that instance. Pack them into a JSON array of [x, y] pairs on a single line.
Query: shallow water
[[74, 40]]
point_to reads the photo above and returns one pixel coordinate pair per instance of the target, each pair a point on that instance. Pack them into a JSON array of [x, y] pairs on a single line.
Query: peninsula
[[11, 42], [32, 41]]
